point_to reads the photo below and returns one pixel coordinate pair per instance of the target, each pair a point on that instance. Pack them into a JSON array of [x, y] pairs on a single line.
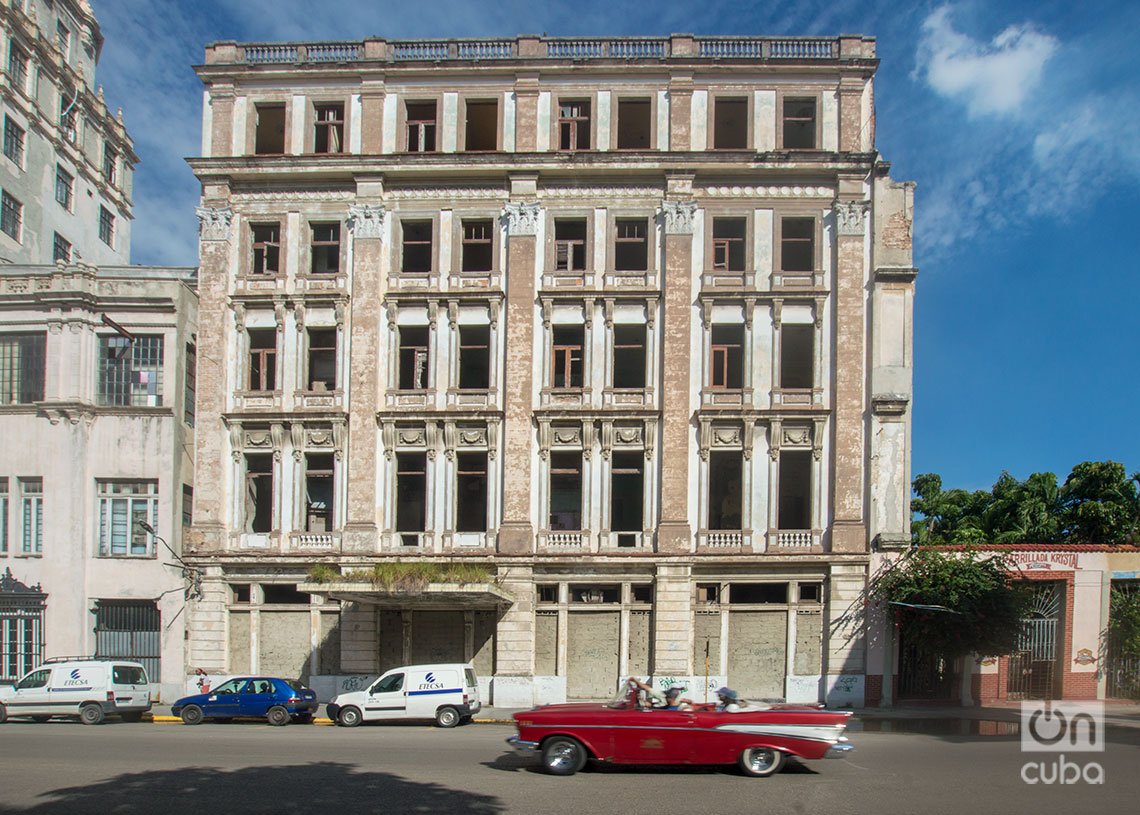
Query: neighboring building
[[67, 163], [628, 321], [96, 416]]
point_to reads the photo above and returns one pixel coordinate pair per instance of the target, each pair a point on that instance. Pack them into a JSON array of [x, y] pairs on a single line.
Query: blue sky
[[1020, 121]]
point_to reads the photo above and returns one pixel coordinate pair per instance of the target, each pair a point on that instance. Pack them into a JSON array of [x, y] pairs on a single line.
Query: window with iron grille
[[31, 515], [421, 117], [60, 249], [22, 368], [329, 136], [21, 630], [18, 67], [110, 162], [325, 248], [3, 516], [11, 216], [106, 226], [130, 630], [13, 141], [130, 371], [64, 187], [266, 249], [123, 507], [190, 388]]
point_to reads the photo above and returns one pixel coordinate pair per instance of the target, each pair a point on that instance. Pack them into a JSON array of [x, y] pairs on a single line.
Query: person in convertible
[[669, 700]]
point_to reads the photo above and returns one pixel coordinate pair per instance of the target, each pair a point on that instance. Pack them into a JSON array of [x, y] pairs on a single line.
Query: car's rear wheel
[[91, 714], [3, 714], [192, 714], [134, 717], [562, 755], [349, 716], [278, 716], [447, 717], [760, 762]]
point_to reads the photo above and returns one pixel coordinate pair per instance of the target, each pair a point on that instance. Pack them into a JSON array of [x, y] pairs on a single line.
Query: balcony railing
[[314, 540], [563, 539], [795, 540]]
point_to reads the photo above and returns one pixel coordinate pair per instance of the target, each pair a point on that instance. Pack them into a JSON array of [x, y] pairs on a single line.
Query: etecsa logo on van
[[74, 679], [430, 683]]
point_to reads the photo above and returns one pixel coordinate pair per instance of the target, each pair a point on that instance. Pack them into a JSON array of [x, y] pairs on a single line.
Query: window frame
[[615, 238], [557, 457], [107, 495], [11, 216], [31, 491], [264, 247], [817, 134], [746, 242], [329, 513], [334, 350], [58, 243], [19, 60], [730, 96], [66, 181], [567, 361], [586, 244], [406, 123], [329, 126], [419, 352], [29, 343], [106, 226], [778, 266], [724, 351], [575, 122], [15, 139], [462, 456], [268, 360], [286, 126], [124, 393], [432, 244], [110, 162], [615, 118], [491, 241], [461, 135], [327, 248]]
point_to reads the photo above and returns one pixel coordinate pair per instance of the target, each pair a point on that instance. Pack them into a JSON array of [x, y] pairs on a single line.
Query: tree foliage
[[1124, 623], [983, 605]]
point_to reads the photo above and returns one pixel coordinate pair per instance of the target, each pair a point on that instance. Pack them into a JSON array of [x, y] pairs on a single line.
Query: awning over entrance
[[434, 595]]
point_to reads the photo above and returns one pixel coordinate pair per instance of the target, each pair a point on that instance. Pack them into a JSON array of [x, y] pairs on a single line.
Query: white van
[[449, 694], [89, 689]]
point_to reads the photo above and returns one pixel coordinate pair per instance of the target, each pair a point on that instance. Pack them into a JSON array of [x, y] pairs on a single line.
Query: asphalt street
[[61, 767]]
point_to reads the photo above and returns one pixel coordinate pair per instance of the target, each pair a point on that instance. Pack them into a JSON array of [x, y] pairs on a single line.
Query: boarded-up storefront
[[757, 653], [592, 654], [285, 644]]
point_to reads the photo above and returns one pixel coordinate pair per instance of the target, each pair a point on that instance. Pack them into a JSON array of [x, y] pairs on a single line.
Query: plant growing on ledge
[[415, 577], [955, 603], [324, 573]]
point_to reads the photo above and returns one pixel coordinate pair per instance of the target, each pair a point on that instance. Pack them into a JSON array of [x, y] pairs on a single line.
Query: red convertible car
[[630, 731]]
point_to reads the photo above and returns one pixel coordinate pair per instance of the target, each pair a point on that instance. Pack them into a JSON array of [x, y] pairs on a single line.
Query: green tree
[[1124, 623], [1099, 504]]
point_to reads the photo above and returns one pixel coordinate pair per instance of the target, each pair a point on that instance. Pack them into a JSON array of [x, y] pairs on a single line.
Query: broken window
[[708, 592], [482, 127], [566, 490], [755, 593], [725, 489], [478, 246], [241, 593], [595, 594], [259, 492], [627, 496], [566, 366], [797, 244], [631, 245], [728, 244], [810, 592], [474, 357], [471, 492], [574, 125], [726, 363], [634, 124], [547, 593], [641, 593], [730, 124], [319, 492], [629, 356], [570, 244], [421, 126], [417, 252], [284, 594], [799, 124], [795, 484], [322, 359], [262, 359], [269, 131], [266, 249], [414, 357], [411, 496], [325, 248], [796, 352], [329, 135]]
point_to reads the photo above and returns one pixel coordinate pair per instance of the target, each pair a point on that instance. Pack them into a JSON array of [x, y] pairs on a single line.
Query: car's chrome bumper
[[839, 750], [520, 746]]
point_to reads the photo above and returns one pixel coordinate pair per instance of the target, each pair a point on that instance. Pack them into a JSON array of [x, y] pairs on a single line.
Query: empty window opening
[[266, 249], [730, 124], [259, 493], [283, 594], [728, 244], [566, 490], [641, 592], [322, 359], [471, 492], [629, 356], [708, 592], [269, 136], [566, 359], [482, 125], [417, 254], [797, 244], [799, 124], [745, 593], [411, 497], [727, 356], [262, 359], [239, 592], [570, 244], [595, 594], [547, 593], [811, 592], [627, 496], [725, 489], [421, 118], [325, 249], [478, 245], [796, 353], [795, 489], [414, 357], [329, 135], [574, 125], [474, 357], [634, 124], [319, 492], [631, 245]]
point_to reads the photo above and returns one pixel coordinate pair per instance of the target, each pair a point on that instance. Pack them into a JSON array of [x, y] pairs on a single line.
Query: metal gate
[[21, 627], [1033, 664], [924, 674], [130, 629]]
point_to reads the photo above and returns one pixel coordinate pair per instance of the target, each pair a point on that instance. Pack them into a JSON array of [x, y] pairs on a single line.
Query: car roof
[[435, 666]]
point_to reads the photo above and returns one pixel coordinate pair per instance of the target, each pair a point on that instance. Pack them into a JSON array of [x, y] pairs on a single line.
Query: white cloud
[[990, 78]]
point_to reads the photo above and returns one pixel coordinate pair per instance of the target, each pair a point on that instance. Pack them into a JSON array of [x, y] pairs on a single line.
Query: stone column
[[516, 534], [674, 534], [680, 112], [526, 113], [372, 118], [221, 120], [366, 224], [673, 620], [851, 124], [514, 641], [849, 525]]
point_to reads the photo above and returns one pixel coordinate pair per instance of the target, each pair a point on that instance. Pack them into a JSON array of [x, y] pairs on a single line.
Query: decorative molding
[[297, 436], [522, 218], [414, 194], [214, 223], [678, 216], [895, 274], [296, 195], [772, 192], [601, 192], [850, 217], [366, 221], [889, 404]]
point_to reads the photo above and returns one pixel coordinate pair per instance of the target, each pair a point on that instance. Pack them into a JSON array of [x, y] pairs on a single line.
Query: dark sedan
[[279, 701]]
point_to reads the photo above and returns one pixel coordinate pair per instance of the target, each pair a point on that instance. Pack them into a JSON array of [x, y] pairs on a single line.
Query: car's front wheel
[[278, 716], [761, 762], [563, 755], [349, 716], [192, 714], [91, 714]]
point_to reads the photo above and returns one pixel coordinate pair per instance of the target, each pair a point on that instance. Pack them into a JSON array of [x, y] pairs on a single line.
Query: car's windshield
[[233, 686]]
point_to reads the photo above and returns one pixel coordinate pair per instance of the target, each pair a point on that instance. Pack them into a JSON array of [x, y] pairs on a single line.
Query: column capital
[[849, 217], [366, 220], [522, 218], [678, 216], [214, 223]]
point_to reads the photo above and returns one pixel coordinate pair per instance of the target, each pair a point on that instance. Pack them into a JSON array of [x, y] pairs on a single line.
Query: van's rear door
[[471, 688], [132, 690]]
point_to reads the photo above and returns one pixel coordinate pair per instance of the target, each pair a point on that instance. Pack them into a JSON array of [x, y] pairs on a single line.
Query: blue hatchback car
[[279, 701]]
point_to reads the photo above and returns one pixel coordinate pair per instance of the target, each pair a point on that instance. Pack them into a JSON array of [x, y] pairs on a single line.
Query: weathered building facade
[[625, 321]]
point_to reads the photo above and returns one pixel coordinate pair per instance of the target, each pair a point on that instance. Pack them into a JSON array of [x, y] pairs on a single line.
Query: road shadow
[[304, 788]]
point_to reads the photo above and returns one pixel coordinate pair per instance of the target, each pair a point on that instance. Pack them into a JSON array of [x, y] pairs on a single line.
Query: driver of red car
[[669, 700]]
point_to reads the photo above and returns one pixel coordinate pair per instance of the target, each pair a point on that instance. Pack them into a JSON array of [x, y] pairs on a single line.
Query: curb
[[320, 722]]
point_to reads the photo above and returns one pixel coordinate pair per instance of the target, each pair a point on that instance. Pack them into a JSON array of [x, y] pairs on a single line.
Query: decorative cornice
[[522, 218], [366, 221], [214, 223], [446, 193], [895, 274], [889, 404], [678, 216], [601, 192], [273, 196], [850, 217]]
